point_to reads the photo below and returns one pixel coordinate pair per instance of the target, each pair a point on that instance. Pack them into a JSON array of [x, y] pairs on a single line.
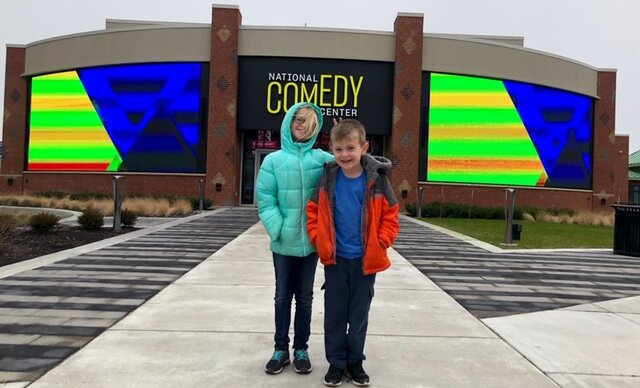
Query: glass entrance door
[[251, 165], [256, 144]]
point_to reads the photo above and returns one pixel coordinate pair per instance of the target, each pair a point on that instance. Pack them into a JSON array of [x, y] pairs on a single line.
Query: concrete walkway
[[213, 327]]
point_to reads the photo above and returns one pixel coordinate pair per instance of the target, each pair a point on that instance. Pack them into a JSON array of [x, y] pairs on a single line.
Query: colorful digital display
[[137, 118], [486, 131]]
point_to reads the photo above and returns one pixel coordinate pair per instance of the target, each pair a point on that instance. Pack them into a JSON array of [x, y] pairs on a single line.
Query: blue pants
[[347, 298], [294, 276]]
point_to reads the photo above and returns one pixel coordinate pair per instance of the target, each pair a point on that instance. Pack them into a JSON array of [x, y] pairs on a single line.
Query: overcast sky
[[597, 32]]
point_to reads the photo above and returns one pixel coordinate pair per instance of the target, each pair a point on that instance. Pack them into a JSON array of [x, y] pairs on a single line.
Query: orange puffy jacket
[[380, 225]]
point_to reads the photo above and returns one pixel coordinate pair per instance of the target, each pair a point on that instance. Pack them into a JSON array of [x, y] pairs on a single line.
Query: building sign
[[361, 90]]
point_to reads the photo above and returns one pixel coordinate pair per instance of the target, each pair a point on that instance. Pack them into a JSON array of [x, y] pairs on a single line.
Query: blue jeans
[[294, 276], [347, 299]]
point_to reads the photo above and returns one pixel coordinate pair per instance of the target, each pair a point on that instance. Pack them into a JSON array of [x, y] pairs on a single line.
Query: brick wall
[[404, 143], [15, 118], [223, 142], [494, 196], [103, 183]]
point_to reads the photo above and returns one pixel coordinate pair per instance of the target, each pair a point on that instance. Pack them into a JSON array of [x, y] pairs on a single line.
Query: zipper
[[365, 228], [302, 202], [332, 229]]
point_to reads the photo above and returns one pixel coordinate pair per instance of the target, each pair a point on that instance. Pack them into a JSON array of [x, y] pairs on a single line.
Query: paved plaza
[[189, 303]]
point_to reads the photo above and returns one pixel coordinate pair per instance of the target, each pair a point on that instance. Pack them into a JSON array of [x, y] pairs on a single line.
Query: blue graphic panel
[[151, 113], [559, 124]]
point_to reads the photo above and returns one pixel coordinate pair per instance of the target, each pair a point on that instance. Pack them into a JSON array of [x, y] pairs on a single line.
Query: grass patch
[[535, 234]]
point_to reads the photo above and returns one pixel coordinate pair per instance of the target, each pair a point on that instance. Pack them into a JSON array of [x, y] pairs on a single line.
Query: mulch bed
[[25, 244]]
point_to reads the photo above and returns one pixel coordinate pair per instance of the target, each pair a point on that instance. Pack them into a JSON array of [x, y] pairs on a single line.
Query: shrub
[[207, 204], [89, 196], [409, 207], [455, 210], [52, 194], [560, 212], [181, 206], [7, 227], [531, 211], [91, 219], [128, 218], [43, 222]]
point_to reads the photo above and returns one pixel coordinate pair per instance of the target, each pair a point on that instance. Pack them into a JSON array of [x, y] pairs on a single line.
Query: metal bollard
[[117, 203], [419, 202], [201, 206], [509, 205]]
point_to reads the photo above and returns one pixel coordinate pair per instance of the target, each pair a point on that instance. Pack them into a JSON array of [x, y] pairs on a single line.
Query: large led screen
[[487, 131], [136, 118]]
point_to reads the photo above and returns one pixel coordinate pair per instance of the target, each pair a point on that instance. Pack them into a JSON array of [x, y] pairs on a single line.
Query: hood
[[375, 164], [286, 140]]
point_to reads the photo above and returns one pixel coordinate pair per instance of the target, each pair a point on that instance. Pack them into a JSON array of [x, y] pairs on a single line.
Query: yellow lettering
[[336, 80], [305, 96], [269, 97], [288, 86], [324, 90], [280, 96], [356, 89]]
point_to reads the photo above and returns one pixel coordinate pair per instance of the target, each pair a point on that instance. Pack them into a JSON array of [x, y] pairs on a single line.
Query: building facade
[[171, 106]]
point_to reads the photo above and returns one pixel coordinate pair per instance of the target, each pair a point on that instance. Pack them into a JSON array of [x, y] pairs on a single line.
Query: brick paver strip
[[487, 284], [43, 302]]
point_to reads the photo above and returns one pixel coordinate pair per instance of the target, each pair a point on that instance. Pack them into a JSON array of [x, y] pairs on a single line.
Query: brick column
[[404, 143], [15, 118], [604, 143], [223, 146], [621, 170]]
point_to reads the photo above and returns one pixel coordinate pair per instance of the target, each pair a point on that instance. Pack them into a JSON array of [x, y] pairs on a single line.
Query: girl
[[285, 182]]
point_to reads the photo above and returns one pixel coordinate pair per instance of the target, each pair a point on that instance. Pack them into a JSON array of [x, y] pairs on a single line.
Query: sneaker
[[358, 376], [278, 361], [333, 378], [301, 361]]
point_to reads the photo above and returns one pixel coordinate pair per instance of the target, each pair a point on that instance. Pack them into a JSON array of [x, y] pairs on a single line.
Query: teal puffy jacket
[[285, 183]]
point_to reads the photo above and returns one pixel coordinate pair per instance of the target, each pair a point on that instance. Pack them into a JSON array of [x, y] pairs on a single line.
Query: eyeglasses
[[299, 119]]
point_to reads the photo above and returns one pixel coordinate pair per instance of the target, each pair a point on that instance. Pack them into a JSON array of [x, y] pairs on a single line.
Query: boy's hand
[[335, 122]]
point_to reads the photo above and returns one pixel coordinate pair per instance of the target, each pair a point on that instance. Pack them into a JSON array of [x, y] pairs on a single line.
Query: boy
[[352, 218]]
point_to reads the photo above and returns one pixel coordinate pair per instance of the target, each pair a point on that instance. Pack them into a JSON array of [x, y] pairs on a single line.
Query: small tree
[[91, 219], [128, 218], [43, 222]]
